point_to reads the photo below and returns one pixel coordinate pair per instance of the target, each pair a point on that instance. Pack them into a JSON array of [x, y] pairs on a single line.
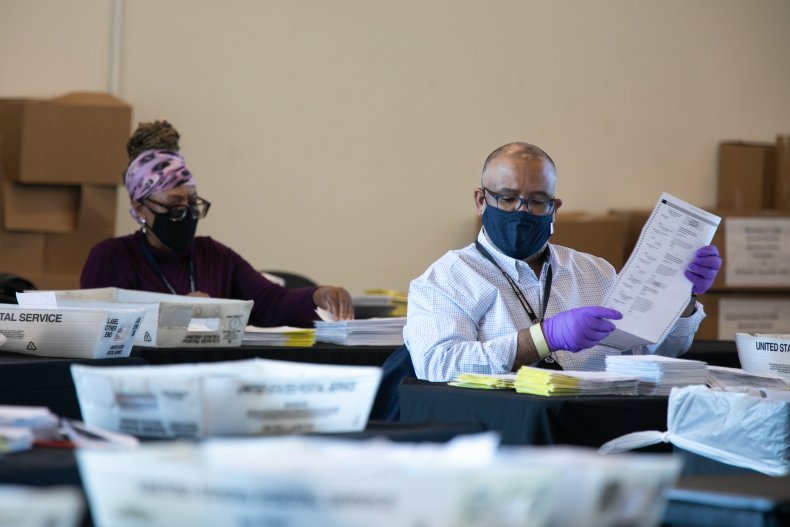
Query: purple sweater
[[219, 272]]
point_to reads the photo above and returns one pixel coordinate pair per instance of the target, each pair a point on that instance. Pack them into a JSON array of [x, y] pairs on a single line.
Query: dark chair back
[[10, 285], [386, 406]]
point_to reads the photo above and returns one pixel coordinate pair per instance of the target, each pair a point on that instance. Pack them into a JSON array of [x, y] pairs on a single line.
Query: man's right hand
[[579, 329]]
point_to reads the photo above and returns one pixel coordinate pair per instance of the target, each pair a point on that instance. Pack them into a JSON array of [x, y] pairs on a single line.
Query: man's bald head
[[513, 153]]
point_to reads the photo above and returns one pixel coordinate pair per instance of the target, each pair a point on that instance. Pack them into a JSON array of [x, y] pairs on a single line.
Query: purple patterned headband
[[155, 171]]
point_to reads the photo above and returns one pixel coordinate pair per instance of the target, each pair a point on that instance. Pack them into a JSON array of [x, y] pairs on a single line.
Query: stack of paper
[[720, 377], [21, 425], [370, 306], [279, 336], [368, 332], [539, 381], [502, 381], [658, 374], [397, 298]]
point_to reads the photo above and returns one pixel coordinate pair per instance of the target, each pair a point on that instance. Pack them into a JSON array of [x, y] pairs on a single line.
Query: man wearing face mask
[[513, 299], [165, 256]]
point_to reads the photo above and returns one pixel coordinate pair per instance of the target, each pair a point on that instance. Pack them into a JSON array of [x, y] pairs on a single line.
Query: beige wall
[[343, 139]]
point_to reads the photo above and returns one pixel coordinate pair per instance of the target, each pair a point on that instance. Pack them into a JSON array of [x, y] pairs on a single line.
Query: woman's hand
[[336, 300]]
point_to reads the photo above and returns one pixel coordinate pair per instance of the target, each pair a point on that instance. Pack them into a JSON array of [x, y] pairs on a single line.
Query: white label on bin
[[753, 316], [757, 252]]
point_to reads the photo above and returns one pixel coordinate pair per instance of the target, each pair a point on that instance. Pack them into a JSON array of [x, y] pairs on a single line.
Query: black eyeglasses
[[198, 209], [538, 207]]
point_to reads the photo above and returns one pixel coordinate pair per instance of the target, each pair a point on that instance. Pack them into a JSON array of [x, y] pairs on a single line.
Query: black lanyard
[[150, 257], [521, 298]]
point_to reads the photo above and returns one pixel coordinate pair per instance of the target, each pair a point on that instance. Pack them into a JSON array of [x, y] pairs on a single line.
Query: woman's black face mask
[[177, 235]]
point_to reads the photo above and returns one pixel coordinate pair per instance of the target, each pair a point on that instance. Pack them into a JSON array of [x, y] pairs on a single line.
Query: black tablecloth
[[531, 419], [319, 353], [43, 381], [714, 352]]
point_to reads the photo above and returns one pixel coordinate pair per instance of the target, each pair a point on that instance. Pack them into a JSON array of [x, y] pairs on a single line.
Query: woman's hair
[[156, 135]]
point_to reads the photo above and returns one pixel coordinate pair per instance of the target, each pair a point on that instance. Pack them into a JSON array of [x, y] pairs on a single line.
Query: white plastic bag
[[746, 428]]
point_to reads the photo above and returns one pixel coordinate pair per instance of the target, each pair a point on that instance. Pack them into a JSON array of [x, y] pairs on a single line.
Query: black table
[[319, 353], [535, 420], [44, 381], [714, 352]]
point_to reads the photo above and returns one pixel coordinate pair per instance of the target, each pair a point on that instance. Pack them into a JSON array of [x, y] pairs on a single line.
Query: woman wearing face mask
[[165, 256]]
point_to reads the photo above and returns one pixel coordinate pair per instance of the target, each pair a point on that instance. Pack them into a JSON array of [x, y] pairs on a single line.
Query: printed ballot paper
[[236, 397], [171, 321], [651, 291], [310, 481], [90, 333]]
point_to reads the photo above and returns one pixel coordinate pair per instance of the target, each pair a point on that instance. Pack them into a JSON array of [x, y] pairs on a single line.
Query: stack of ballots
[[367, 332], [279, 336], [498, 381], [539, 381], [254, 396], [21, 425], [658, 374]]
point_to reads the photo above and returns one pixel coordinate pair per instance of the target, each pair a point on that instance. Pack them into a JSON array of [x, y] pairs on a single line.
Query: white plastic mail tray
[[247, 397], [85, 333], [174, 321]]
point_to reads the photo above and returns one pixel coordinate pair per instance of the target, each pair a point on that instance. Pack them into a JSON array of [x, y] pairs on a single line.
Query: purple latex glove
[[580, 328], [703, 269]]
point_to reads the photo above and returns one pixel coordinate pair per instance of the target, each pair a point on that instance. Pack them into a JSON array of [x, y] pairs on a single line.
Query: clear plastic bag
[[748, 428]]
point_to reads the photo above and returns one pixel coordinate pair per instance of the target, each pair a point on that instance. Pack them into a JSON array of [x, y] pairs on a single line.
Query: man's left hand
[[336, 300], [703, 269]]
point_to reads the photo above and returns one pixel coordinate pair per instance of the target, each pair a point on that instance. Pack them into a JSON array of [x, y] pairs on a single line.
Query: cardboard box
[[782, 195], [634, 222], [69, 332], [21, 253], [52, 281], [755, 250], [73, 139], [602, 235], [66, 253], [39, 208], [97, 208], [728, 314], [746, 175]]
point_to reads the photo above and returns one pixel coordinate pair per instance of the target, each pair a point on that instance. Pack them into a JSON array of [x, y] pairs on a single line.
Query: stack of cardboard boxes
[[61, 161], [751, 294]]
